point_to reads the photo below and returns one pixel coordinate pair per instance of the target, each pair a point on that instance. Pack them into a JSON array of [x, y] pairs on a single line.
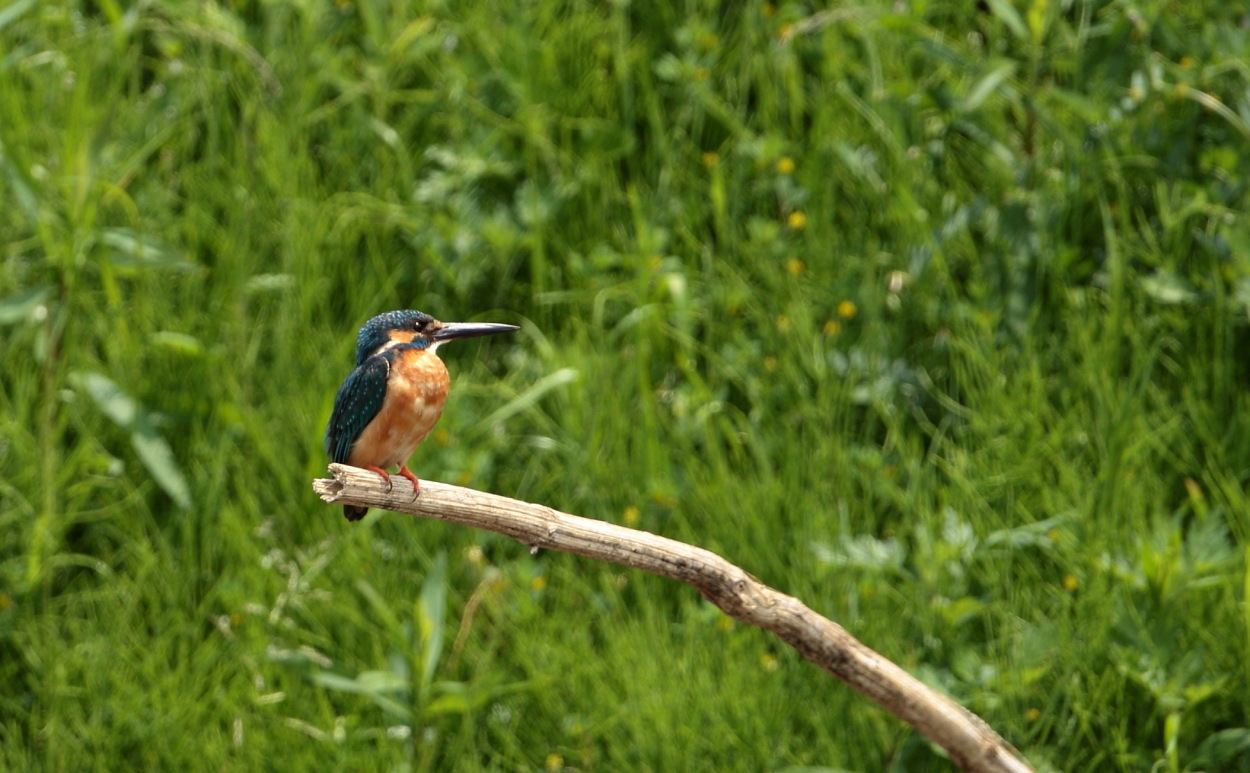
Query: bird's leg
[[386, 478], [407, 473]]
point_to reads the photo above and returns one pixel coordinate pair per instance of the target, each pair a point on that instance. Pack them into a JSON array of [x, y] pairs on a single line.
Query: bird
[[391, 400]]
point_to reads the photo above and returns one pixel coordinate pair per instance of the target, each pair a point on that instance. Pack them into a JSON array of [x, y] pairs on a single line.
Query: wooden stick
[[971, 743]]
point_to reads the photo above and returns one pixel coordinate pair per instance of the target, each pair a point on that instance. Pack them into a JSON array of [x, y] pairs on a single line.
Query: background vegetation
[[931, 314]]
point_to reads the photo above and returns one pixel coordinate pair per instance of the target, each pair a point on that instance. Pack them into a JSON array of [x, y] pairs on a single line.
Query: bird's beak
[[450, 331]]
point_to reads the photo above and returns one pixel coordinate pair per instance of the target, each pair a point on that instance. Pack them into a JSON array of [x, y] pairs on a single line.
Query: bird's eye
[[418, 326]]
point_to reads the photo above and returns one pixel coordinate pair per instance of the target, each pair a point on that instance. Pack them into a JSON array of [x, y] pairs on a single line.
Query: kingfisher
[[390, 402]]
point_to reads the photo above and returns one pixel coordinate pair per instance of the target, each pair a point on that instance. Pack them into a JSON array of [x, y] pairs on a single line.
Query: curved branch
[[971, 743]]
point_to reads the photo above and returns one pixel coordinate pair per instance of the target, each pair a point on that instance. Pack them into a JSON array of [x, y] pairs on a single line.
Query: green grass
[[935, 318]]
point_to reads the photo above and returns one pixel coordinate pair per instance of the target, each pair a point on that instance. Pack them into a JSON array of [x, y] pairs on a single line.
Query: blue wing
[[358, 401]]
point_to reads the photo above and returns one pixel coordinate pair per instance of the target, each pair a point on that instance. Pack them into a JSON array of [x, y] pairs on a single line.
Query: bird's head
[[417, 328]]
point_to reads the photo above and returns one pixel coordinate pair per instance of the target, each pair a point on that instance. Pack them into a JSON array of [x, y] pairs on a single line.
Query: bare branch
[[971, 743]]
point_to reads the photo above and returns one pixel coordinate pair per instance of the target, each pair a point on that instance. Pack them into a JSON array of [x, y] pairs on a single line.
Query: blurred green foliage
[[935, 315]]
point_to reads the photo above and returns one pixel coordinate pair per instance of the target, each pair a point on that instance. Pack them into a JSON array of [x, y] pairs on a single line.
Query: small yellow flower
[[847, 309], [1187, 62], [770, 364], [724, 623], [539, 582], [785, 165], [832, 327], [1070, 583], [710, 159], [785, 31], [1033, 714], [442, 436], [783, 323], [553, 762], [794, 266], [631, 516], [768, 662], [768, 11], [1193, 489], [797, 220]]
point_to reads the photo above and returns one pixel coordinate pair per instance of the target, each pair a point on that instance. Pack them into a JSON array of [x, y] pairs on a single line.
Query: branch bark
[[971, 743]]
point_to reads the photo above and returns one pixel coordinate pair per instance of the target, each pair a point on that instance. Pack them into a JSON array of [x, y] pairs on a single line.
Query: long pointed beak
[[450, 331]]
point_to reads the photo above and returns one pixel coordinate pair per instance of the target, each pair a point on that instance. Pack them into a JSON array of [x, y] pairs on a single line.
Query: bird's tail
[[354, 512]]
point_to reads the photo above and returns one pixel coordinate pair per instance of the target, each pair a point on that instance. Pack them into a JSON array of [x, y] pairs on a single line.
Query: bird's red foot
[[407, 473], [386, 478]]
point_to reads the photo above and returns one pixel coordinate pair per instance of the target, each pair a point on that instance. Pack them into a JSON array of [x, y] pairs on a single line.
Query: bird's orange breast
[[416, 390]]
